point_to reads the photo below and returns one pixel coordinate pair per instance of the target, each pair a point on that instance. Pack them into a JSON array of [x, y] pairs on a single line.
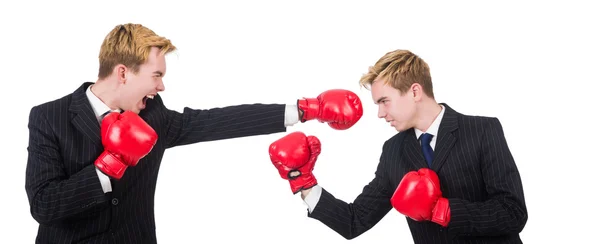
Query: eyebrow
[[380, 99], [158, 73]]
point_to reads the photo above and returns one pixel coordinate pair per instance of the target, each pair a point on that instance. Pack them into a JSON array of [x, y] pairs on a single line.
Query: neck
[[106, 91], [427, 111]]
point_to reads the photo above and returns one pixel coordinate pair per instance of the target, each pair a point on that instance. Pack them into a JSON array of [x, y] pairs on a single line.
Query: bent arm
[[351, 220], [505, 212], [52, 194]]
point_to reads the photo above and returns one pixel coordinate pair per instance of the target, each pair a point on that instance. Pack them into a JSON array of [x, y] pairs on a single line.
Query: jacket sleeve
[[53, 195], [199, 125], [351, 220], [505, 211]]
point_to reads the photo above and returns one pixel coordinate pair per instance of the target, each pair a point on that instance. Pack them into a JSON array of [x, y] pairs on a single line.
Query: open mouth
[[146, 98]]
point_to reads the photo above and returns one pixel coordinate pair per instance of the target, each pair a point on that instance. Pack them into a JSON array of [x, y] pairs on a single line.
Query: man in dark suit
[[95, 154], [451, 175]]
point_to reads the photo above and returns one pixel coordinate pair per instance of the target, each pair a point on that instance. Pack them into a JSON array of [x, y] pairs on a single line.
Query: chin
[[400, 128]]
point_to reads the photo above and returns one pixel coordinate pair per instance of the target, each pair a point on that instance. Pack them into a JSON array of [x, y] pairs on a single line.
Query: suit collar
[[84, 118], [98, 106], [446, 137], [445, 141]]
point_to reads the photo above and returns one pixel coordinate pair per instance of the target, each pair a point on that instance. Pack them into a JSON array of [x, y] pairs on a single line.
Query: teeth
[[150, 96]]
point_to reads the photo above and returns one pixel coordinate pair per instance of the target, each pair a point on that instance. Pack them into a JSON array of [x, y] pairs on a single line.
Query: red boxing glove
[[127, 138], [339, 108], [419, 197], [295, 156]]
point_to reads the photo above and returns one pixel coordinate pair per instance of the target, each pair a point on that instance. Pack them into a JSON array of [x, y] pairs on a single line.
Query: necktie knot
[[426, 138]]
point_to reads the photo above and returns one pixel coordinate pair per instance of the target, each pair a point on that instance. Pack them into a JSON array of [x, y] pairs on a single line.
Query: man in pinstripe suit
[[73, 191], [451, 175]]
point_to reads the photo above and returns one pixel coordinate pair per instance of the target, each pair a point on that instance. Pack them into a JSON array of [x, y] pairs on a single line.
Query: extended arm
[[198, 125], [339, 108]]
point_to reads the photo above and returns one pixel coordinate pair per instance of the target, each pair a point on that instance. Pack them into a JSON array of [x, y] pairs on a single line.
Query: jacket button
[[115, 201]]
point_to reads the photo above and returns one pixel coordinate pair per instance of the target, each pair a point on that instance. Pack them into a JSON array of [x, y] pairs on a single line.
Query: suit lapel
[[446, 139], [413, 150], [84, 119]]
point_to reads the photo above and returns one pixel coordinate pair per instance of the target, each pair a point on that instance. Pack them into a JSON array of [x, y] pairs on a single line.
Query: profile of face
[[136, 88], [400, 110]]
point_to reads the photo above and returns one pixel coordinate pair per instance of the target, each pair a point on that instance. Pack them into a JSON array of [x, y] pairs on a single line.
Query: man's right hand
[[339, 108], [419, 197], [127, 138], [295, 156]]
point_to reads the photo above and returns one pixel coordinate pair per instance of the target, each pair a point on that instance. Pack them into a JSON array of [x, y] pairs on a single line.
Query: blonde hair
[[129, 44], [400, 69]]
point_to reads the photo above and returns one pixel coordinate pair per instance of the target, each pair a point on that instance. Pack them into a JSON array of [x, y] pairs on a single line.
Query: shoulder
[[394, 142], [60, 109], [397, 138], [479, 123], [476, 123], [64, 102], [476, 119], [55, 106]]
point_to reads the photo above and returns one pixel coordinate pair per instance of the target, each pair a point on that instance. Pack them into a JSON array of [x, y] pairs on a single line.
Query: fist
[[339, 108], [127, 135], [294, 156], [419, 197], [126, 139]]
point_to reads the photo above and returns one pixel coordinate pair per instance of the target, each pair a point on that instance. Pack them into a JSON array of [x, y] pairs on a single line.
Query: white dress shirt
[[99, 109], [433, 128], [312, 198], [291, 118]]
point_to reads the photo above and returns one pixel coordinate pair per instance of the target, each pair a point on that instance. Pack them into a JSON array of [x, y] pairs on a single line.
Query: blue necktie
[[426, 147]]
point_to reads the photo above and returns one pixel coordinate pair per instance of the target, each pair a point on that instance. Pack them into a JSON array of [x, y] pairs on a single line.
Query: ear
[[121, 73], [417, 92]]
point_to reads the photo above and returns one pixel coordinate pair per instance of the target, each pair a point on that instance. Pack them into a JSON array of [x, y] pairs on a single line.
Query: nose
[[161, 86], [381, 113]]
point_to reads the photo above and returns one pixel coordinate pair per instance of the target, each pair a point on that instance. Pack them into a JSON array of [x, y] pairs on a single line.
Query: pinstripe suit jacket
[[64, 192], [477, 174]]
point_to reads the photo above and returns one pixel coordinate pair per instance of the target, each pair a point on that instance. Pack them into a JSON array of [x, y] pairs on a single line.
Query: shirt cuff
[[291, 114], [104, 181], [312, 198]]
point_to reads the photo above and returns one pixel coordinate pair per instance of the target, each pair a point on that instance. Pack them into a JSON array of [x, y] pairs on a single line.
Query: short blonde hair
[[129, 44], [400, 69]]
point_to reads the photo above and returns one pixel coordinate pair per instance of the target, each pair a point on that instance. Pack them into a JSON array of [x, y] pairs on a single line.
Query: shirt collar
[[433, 128], [97, 105]]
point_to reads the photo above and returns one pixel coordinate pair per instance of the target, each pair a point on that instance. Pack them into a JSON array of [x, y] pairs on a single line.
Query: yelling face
[[143, 85], [397, 109]]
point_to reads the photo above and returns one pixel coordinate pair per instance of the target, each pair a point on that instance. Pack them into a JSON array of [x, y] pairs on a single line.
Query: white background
[[533, 65]]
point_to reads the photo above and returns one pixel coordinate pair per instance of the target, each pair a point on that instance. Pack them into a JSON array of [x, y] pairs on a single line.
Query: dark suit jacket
[[64, 192], [477, 174]]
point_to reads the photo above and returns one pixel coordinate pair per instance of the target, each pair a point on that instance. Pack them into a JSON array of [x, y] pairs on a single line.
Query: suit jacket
[[477, 174], [64, 192]]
